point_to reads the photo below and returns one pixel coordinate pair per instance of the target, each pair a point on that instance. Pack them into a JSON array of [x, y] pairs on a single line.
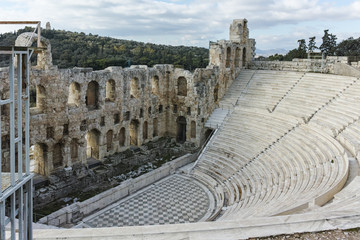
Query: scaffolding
[[16, 191]]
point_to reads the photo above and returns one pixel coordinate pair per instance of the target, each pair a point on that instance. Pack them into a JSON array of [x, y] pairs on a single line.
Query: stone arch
[[93, 142], [193, 129], [122, 137], [182, 86], [181, 129], [110, 90], [237, 57], [44, 57], [109, 140], [155, 127], [216, 93], [244, 57], [228, 57], [74, 94], [145, 130], [92, 95], [74, 148], [58, 152], [134, 132], [40, 161], [155, 85], [134, 88]]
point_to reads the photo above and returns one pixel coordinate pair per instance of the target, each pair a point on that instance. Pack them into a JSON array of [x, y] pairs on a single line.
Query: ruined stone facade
[[80, 113]]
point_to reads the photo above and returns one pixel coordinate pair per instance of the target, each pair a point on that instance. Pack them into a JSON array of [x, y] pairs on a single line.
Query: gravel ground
[[351, 234]]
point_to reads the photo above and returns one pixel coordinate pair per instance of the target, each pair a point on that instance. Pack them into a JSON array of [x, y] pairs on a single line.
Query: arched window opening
[[93, 141], [244, 57], [74, 94], [193, 129], [58, 155], [109, 140], [228, 57], [155, 127], [237, 57], [145, 130], [92, 95], [182, 86], [110, 91], [134, 88], [155, 85], [134, 132], [181, 129], [122, 137]]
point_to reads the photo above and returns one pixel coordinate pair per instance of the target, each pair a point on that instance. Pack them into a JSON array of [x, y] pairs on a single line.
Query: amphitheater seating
[[282, 148]]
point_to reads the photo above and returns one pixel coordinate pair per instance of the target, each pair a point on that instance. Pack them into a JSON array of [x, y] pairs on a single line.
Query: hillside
[[71, 49]]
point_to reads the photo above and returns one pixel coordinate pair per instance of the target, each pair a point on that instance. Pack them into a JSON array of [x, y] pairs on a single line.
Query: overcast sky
[[273, 23]]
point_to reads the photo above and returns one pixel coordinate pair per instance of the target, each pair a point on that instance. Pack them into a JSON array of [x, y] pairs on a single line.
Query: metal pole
[[12, 126], [27, 113], [19, 115]]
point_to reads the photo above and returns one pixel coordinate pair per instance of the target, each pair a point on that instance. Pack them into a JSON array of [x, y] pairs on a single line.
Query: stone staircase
[[230, 99]]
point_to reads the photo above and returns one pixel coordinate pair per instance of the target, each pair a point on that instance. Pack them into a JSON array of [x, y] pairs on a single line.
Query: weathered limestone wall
[[80, 113], [301, 65]]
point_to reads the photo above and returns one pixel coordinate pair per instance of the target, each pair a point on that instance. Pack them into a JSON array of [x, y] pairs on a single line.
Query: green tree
[[71, 49], [312, 44], [348, 47], [328, 46], [302, 45]]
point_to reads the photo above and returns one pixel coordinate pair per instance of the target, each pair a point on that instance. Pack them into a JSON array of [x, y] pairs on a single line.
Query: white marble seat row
[[265, 163]]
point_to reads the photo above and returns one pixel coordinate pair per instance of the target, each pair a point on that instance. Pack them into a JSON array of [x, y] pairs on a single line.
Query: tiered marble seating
[[266, 160], [233, 92]]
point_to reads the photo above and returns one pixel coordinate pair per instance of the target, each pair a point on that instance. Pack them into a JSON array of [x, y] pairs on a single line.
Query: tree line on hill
[[328, 47], [71, 49]]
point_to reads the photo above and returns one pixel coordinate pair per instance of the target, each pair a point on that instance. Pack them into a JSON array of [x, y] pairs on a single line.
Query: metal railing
[[16, 193]]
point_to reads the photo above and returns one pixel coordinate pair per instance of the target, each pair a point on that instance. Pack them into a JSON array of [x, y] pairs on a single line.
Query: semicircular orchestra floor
[[174, 199]]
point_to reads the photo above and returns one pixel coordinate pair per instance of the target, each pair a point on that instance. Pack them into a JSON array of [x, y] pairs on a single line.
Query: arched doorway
[[181, 129], [74, 145], [145, 130], [93, 141], [155, 127], [122, 137], [40, 158], [58, 155], [109, 140], [244, 57], [134, 132], [237, 57]]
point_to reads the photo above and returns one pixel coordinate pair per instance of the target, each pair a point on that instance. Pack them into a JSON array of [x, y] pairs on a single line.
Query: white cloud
[[183, 22]]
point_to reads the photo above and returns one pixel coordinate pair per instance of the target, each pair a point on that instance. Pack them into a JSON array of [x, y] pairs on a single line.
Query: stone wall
[[301, 65], [80, 113]]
